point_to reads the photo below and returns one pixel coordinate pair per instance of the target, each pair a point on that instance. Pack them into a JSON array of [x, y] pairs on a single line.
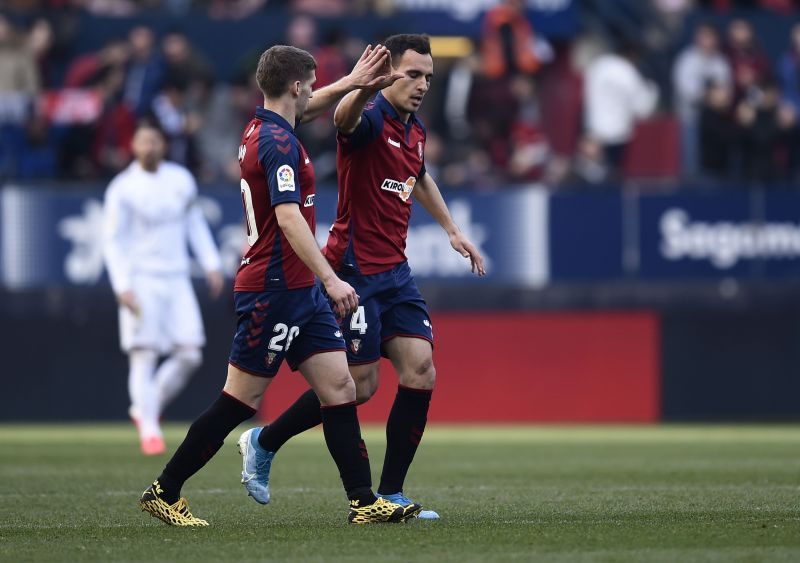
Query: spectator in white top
[[151, 216], [616, 97], [698, 66]]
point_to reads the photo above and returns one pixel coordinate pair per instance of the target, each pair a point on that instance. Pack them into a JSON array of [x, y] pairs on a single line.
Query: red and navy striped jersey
[[275, 170], [378, 166]]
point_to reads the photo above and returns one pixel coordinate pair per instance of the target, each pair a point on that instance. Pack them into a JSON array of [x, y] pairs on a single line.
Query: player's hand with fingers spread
[[465, 248], [373, 70], [344, 297], [385, 75], [128, 300]]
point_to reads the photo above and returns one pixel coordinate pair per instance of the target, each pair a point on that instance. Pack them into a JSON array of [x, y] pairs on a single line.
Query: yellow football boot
[[173, 514], [381, 511]]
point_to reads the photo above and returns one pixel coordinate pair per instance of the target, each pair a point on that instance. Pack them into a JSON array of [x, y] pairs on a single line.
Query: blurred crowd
[[631, 94]]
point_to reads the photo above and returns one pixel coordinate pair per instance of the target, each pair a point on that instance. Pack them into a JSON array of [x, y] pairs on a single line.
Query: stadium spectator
[[18, 68], [87, 69], [789, 77], [145, 71], [529, 146], [98, 146], [507, 42], [183, 61], [40, 41], [764, 124], [616, 97], [112, 134], [749, 64], [178, 122], [716, 132], [697, 66]]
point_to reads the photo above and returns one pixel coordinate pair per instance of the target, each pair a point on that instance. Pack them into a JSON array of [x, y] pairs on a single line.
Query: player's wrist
[[328, 279]]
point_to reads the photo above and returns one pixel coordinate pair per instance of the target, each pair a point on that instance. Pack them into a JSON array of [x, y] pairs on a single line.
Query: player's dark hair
[[280, 66], [399, 44], [151, 123]]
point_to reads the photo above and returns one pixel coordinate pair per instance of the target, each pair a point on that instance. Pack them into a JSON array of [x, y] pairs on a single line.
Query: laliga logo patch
[[285, 176], [270, 358], [355, 345], [419, 150], [403, 189]]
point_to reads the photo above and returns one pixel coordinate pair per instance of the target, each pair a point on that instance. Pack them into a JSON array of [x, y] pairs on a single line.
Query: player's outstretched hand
[[344, 297], [128, 300], [465, 248], [215, 282], [373, 71]]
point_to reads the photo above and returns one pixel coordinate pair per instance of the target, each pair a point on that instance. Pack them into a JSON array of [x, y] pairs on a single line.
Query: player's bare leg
[[239, 400], [412, 359]]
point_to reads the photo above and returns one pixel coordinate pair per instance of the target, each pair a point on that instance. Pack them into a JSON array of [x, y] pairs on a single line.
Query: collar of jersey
[[388, 109], [269, 115]]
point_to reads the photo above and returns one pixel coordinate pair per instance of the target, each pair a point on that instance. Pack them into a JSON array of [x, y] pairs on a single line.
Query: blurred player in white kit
[[150, 214]]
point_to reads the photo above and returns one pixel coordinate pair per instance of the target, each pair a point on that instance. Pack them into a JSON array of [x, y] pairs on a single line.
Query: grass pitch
[[562, 494]]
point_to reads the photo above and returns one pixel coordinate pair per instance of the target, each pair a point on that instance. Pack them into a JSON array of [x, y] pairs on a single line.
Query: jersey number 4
[[358, 321], [247, 201]]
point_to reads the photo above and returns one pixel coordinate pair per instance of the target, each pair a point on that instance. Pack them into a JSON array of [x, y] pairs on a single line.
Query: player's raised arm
[[428, 195], [348, 113], [370, 72]]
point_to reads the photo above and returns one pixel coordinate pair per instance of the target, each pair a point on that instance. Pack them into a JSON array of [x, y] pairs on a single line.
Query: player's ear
[[295, 89]]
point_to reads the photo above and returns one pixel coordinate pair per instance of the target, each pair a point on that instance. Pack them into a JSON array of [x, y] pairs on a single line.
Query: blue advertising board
[[585, 236], [695, 235], [54, 238]]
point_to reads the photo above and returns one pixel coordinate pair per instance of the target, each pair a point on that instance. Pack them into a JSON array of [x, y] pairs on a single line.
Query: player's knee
[[341, 389], [365, 390], [422, 375], [191, 358]]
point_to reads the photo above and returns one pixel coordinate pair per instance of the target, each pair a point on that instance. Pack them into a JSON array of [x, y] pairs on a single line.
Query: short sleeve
[[368, 129], [281, 163]]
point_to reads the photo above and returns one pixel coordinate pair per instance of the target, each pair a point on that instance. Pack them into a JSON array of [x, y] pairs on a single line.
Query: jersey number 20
[[283, 333]]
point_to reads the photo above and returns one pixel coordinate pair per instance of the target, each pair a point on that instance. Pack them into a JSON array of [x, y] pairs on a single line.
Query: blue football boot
[[256, 463]]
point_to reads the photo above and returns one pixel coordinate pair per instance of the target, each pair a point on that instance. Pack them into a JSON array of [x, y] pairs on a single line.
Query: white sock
[[173, 375], [143, 391]]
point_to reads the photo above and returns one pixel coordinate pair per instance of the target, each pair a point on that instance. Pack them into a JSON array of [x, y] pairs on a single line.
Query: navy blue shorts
[[390, 305], [294, 324]]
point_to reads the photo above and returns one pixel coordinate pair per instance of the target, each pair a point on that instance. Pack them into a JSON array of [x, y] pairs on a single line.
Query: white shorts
[[169, 316]]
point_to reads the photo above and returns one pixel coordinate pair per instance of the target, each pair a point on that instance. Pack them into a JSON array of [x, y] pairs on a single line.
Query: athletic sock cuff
[[332, 407], [229, 401], [404, 389]]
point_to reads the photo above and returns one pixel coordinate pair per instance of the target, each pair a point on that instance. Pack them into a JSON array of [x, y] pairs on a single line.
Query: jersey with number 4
[[378, 165], [275, 170]]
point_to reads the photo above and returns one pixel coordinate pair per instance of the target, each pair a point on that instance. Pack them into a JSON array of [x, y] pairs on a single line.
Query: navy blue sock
[[303, 414], [343, 437], [204, 439], [404, 431]]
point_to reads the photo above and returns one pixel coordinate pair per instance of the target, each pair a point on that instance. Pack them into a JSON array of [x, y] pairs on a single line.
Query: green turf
[[674, 493]]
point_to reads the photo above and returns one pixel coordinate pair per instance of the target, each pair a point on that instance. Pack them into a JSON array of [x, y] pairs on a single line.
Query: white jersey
[[616, 97], [150, 219]]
